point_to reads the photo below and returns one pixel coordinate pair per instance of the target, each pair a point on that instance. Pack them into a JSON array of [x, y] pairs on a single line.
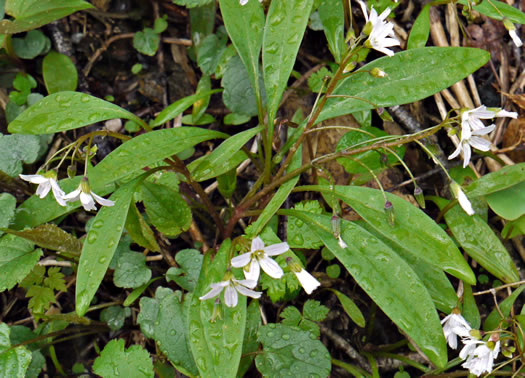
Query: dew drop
[[102, 260], [285, 336]]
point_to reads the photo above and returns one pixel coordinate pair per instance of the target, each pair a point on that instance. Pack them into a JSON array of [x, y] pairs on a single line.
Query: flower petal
[[230, 296], [484, 130], [456, 152], [257, 244], [504, 113], [465, 203], [276, 249], [247, 292], [270, 267], [241, 260], [87, 201], [307, 281], [73, 196], [248, 283], [34, 179], [58, 193], [43, 189], [517, 41], [480, 143], [467, 153], [253, 272], [212, 293], [101, 200]]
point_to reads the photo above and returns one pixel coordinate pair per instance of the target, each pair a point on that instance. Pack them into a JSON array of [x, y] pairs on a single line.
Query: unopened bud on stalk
[[349, 67], [420, 198], [72, 171], [336, 226], [377, 72], [389, 211], [475, 333], [368, 29]]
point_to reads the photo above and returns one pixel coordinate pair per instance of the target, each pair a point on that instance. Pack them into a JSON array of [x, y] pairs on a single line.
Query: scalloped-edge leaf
[[17, 259]]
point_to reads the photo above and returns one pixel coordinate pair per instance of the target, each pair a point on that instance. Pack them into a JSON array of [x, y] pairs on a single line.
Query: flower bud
[[377, 72], [512, 32], [475, 334], [420, 198], [389, 211], [72, 171], [368, 29], [335, 222], [349, 67]]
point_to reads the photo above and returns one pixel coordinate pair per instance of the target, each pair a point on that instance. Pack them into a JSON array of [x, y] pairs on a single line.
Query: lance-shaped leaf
[[387, 279], [216, 341], [244, 24], [100, 245], [410, 76], [52, 237], [420, 30], [413, 230], [64, 111], [493, 182], [332, 16], [285, 26], [498, 10], [31, 14]]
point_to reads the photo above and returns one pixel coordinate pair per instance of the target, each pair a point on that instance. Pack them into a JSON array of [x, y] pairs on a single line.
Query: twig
[[345, 347], [102, 49]]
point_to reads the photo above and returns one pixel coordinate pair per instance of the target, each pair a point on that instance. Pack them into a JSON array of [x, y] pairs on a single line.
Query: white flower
[[462, 198], [244, 2], [378, 30], [515, 38], [87, 197], [47, 182], [341, 242], [259, 257], [307, 281], [481, 359], [455, 325], [232, 287], [471, 138]]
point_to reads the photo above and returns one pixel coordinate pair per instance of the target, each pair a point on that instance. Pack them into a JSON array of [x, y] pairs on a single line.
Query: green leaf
[[508, 203], [51, 236], [146, 42], [290, 351], [470, 309], [30, 46], [66, 111], [236, 119], [7, 209], [41, 298], [191, 3], [179, 106], [350, 308], [18, 335], [166, 209], [17, 149], [136, 293], [332, 16], [115, 360], [200, 106], [216, 341], [210, 52], [493, 182], [238, 95], [17, 259], [420, 30], [140, 231], [60, 73], [315, 311], [31, 14], [23, 83], [479, 241], [35, 277], [291, 316], [115, 316], [165, 319], [411, 76], [160, 24], [245, 24], [498, 10], [514, 228], [387, 279], [492, 321], [13, 361], [147, 149], [55, 279], [250, 343], [190, 262], [212, 165], [298, 232], [285, 26], [413, 230], [131, 270], [100, 245]]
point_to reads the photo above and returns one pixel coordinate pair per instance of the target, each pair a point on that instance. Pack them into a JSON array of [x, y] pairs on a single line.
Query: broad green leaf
[[470, 308], [508, 203], [18, 149], [190, 262], [239, 95], [51, 236], [115, 360], [212, 165], [250, 343], [210, 52], [411, 75], [30, 46], [314, 310], [17, 259], [299, 235], [13, 361], [493, 182], [280, 196], [66, 111], [146, 41], [414, 231], [60, 73], [479, 241], [236, 119], [147, 149], [165, 319], [290, 351], [285, 26], [179, 106], [31, 14], [115, 316], [100, 245], [388, 280], [18, 335], [245, 24], [498, 10], [514, 228], [7, 209], [202, 21], [494, 318], [166, 209], [191, 3], [131, 270], [291, 316], [350, 308], [332, 16], [420, 30], [140, 231], [216, 341]]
